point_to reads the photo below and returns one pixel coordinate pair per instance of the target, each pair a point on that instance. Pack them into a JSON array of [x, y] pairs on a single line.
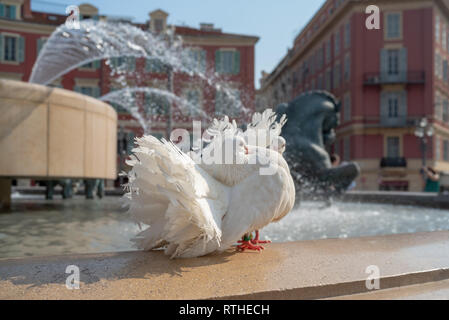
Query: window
[[337, 43], [446, 150], [438, 107], [195, 60], [394, 65], [443, 36], [393, 105], [347, 72], [227, 103], [393, 109], [155, 104], [8, 11], [128, 63], [393, 62], [92, 91], [393, 147], [93, 65], [445, 116], [347, 35], [158, 25], [393, 25], [438, 65], [155, 66], [88, 91], [347, 107], [437, 28], [227, 61], [10, 50]]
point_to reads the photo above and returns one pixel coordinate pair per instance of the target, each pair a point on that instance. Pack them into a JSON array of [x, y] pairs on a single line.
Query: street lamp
[[424, 131]]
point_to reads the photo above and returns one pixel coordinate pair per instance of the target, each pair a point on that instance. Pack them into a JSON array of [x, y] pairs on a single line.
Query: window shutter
[[39, 46], [237, 62], [2, 10], [96, 64], [96, 92], [2, 50], [21, 49], [403, 63], [218, 61], [203, 61], [383, 63]]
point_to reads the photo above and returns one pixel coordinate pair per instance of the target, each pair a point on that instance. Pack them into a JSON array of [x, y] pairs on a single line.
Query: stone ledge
[[432, 200], [296, 270]]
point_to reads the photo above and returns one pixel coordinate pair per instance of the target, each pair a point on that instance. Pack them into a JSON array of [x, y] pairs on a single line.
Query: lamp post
[[424, 131]]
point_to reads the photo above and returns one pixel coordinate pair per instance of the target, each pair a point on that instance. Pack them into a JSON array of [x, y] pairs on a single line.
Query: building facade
[[387, 80], [230, 57]]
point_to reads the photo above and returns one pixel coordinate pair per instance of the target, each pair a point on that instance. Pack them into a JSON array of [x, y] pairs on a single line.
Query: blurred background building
[[23, 33], [386, 79]]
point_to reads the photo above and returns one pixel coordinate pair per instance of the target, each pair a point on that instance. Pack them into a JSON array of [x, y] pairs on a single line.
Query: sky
[[275, 22]]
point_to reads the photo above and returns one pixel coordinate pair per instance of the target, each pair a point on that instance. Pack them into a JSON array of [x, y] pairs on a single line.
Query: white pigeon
[[263, 131], [189, 213]]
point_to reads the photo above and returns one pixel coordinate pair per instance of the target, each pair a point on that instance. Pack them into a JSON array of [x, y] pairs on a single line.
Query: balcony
[[398, 162], [397, 122], [378, 78]]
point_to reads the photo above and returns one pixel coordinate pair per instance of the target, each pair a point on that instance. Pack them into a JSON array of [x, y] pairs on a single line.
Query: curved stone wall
[[55, 133]]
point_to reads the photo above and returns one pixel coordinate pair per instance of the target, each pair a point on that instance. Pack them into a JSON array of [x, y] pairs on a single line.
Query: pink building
[[387, 80]]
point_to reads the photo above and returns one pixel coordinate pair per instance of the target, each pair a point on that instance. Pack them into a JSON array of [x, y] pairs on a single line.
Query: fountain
[[51, 133]]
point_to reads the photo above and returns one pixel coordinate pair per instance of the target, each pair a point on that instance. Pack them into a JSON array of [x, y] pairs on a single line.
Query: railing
[[393, 162], [411, 77], [389, 122]]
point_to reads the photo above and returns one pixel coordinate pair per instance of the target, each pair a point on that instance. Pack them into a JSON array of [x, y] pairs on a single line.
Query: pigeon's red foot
[[257, 241], [248, 245]]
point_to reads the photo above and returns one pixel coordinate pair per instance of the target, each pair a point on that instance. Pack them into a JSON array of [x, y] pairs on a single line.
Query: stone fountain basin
[[55, 133]]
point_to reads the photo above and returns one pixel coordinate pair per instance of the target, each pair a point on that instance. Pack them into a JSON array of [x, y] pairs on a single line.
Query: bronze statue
[[310, 132]]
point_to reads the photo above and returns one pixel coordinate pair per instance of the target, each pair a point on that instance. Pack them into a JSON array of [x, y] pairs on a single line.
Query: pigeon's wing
[[258, 200], [182, 205]]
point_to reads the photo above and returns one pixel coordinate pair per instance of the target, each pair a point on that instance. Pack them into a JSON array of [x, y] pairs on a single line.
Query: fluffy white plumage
[[188, 211]]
